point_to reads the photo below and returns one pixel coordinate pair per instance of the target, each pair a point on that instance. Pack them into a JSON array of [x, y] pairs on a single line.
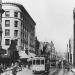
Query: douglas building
[[17, 25]]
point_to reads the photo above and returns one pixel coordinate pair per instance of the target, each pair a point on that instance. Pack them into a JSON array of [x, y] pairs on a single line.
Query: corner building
[[17, 25]]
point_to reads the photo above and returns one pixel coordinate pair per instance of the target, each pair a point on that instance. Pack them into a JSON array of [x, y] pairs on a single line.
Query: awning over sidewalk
[[31, 54], [22, 55]]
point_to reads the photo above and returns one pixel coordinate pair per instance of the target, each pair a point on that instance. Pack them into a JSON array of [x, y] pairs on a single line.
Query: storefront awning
[[31, 54], [22, 55]]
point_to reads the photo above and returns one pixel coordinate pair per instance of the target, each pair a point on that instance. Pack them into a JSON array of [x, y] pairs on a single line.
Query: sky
[[54, 20]]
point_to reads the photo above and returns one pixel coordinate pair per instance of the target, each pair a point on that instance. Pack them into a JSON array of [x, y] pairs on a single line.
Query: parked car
[[67, 66]]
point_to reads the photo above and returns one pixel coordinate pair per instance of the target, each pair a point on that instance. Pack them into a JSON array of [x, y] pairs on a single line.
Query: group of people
[[14, 67]]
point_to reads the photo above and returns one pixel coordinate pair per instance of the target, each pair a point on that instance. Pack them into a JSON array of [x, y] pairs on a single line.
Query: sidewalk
[[25, 71], [61, 72]]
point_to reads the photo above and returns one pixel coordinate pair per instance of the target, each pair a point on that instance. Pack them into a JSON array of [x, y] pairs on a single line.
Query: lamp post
[[1, 12]]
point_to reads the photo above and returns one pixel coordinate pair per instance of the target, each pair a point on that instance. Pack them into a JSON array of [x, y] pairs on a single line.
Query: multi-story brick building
[[17, 24]]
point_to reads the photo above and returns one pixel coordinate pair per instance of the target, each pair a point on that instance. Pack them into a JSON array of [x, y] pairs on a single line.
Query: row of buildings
[[18, 25], [48, 49]]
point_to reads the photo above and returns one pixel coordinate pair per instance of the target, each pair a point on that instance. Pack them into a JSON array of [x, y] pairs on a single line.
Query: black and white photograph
[[37, 37]]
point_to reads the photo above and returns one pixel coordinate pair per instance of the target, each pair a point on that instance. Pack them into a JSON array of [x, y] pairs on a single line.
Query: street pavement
[[25, 71], [53, 71], [64, 72]]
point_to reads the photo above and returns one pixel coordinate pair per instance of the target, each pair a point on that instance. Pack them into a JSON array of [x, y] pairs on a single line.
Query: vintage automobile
[[67, 66]]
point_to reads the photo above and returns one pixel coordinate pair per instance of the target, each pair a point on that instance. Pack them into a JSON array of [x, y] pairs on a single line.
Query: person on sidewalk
[[14, 70], [28, 65], [1, 69]]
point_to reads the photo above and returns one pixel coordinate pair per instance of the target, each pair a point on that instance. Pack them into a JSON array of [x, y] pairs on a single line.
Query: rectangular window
[[15, 14], [7, 13], [7, 41], [21, 15], [7, 32], [7, 23], [15, 32], [33, 61], [38, 62], [15, 23], [30, 62], [42, 61]]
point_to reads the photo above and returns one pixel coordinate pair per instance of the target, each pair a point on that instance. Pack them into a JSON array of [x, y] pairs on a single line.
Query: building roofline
[[22, 9]]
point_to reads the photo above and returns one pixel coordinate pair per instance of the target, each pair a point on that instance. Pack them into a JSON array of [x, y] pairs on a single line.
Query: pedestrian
[[1, 70], [14, 70], [59, 64], [29, 65]]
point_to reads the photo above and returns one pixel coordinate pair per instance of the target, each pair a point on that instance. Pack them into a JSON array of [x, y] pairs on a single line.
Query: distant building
[[50, 48], [70, 52], [17, 24], [74, 38]]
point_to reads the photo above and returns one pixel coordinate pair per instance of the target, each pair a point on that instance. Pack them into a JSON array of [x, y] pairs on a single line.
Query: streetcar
[[38, 64]]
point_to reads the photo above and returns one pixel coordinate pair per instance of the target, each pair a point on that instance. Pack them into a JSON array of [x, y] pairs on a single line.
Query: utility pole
[[67, 54], [1, 12]]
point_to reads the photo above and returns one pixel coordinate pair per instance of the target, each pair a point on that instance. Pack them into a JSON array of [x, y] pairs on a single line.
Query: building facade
[[74, 37], [17, 25], [1, 12], [70, 52], [49, 48]]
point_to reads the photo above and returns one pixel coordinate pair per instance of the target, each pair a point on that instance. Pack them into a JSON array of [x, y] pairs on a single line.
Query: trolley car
[[39, 65]]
